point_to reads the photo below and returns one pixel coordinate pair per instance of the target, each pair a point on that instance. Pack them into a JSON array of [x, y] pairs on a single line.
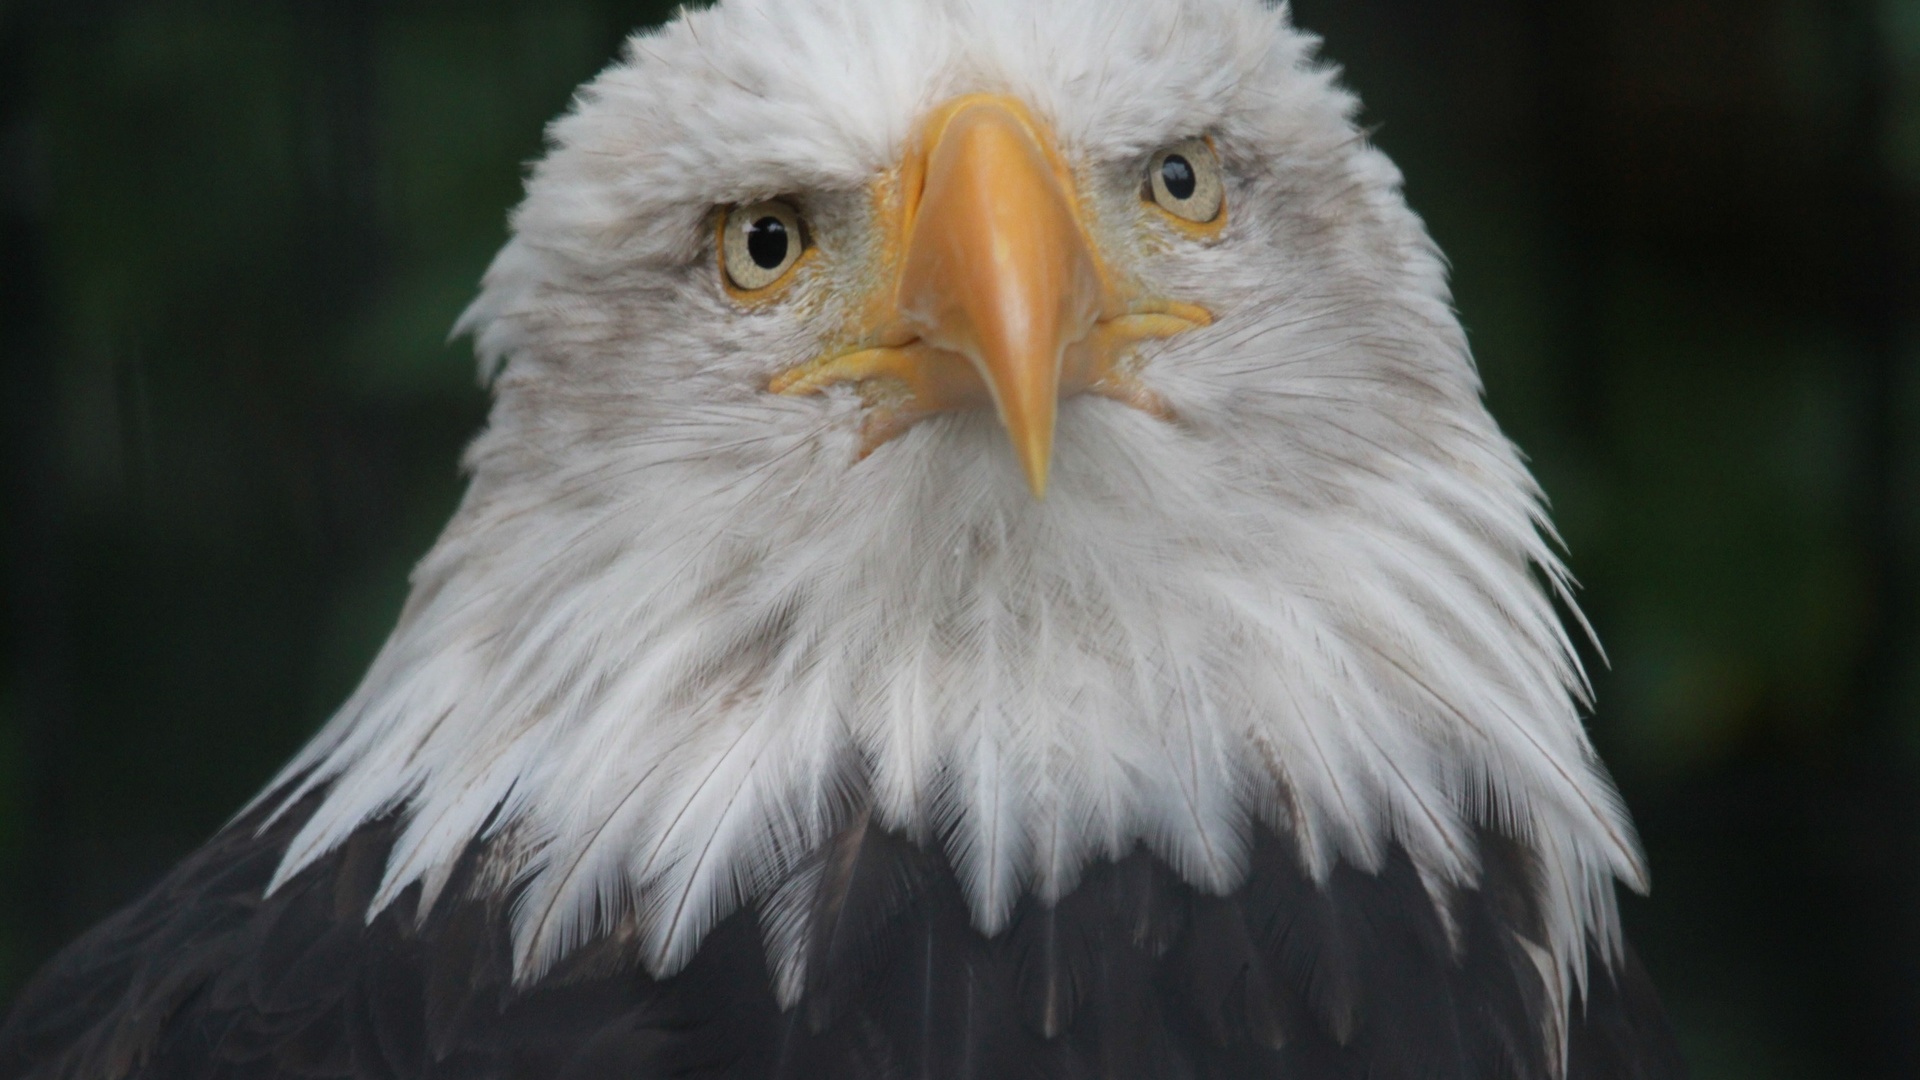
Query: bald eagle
[[988, 559]]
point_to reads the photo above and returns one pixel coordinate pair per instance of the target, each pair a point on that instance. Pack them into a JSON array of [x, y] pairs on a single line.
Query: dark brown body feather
[[1134, 974]]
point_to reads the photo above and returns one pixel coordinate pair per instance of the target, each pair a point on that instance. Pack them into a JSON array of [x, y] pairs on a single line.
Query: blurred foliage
[[1682, 230]]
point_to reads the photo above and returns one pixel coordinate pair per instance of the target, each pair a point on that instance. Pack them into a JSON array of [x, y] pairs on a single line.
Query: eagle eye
[[760, 243], [1184, 181]]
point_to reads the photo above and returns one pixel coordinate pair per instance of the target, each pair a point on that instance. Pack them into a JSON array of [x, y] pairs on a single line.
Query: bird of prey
[[988, 559]]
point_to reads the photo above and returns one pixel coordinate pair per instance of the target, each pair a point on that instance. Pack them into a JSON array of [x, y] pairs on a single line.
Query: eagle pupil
[[1177, 173], [767, 242]]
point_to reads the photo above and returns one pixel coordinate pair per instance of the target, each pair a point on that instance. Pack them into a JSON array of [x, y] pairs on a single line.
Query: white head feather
[[676, 619]]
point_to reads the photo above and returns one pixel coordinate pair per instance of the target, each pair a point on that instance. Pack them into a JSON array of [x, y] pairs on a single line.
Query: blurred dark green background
[[233, 235]]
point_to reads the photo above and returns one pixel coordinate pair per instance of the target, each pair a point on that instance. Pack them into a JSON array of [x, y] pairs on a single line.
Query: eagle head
[[1039, 425]]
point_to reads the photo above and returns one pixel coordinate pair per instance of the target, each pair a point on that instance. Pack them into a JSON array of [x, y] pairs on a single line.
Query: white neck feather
[[676, 714]]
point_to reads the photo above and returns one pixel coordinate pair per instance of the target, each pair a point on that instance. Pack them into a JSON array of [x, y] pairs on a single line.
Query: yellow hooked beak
[[998, 294], [998, 270]]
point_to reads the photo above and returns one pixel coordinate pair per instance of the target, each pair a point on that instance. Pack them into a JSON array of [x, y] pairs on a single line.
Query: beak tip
[[1036, 461]]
